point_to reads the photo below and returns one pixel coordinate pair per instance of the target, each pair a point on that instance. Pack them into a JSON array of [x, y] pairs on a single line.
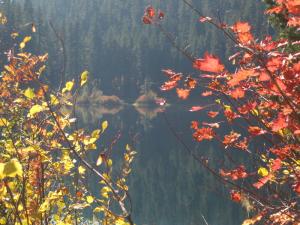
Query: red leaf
[[279, 123], [262, 181], [230, 115], [255, 131], [161, 15], [264, 76], [209, 63], [146, 20], [203, 19], [169, 72], [212, 114], [276, 164], [183, 93], [235, 174], [275, 10], [194, 125], [196, 108], [150, 11], [235, 196], [294, 22], [205, 133], [274, 63], [206, 93], [297, 188], [230, 138]]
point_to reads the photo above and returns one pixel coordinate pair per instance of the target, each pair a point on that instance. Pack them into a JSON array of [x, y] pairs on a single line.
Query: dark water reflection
[[167, 186]]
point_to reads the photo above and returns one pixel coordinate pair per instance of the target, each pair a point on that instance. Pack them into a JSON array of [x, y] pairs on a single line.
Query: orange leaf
[[209, 63], [183, 93], [212, 114], [240, 76], [196, 108], [237, 93], [190, 82], [241, 27], [168, 85]]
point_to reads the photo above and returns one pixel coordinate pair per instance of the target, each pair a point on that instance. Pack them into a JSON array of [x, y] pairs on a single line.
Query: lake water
[[167, 186]]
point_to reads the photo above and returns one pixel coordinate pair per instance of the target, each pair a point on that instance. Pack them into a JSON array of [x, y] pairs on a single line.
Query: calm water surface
[[167, 186]]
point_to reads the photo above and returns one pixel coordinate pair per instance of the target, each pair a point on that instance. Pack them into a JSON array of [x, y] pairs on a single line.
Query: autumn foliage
[[260, 102], [44, 165]]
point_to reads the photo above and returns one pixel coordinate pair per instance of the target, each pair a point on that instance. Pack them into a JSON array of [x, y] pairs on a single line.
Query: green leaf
[[84, 77]]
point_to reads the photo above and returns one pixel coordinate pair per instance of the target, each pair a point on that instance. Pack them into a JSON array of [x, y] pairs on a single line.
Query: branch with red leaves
[[260, 102]]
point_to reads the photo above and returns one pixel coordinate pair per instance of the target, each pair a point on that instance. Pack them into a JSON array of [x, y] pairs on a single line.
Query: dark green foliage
[[108, 38], [279, 22]]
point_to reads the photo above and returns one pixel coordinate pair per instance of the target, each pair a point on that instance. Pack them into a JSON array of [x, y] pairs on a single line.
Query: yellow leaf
[[263, 172], [81, 170], [84, 77], [255, 112], [252, 220], [109, 162], [89, 199], [12, 168], [29, 93], [35, 109], [1, 170], [95, 134], [68, 87], [3, 220], [99, 209], [27, 39], [53, 100], [104, 126], [3, 122], [22, 45], [99, 160]]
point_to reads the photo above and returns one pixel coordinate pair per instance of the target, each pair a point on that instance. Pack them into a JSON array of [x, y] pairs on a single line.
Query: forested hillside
[[115, 47]]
